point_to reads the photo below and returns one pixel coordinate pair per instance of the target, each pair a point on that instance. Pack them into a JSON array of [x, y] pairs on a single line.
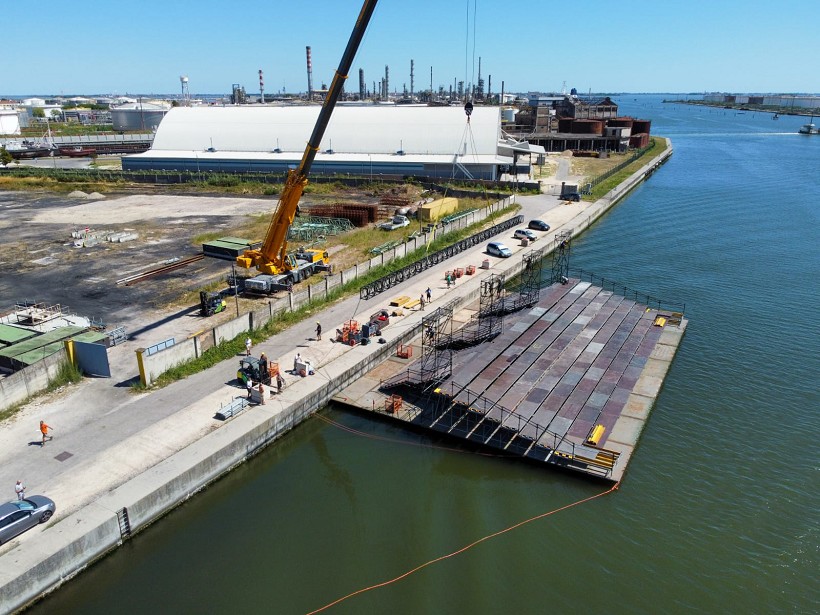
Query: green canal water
[[718, 512]]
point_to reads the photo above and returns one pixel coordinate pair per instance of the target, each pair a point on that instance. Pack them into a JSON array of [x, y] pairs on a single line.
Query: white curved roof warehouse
[[435, 141]]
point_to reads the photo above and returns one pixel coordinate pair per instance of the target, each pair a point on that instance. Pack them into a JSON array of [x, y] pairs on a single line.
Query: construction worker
[[44, 430], [263, 368]]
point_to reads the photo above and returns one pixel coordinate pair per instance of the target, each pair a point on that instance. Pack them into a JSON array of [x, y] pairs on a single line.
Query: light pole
[[235, 287]]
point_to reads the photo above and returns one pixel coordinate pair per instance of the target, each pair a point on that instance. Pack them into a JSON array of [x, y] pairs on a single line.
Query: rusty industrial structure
[[568, 122]]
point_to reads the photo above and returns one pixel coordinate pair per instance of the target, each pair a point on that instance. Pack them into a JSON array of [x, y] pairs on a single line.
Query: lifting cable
[[465, 548]]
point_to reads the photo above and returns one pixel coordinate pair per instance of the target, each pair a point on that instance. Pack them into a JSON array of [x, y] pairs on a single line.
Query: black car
[[538, 225], [571, 196]]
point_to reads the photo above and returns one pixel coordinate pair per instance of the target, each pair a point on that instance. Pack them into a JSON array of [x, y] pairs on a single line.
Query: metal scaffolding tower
[[436, 356], [530, 289], [491, 307], [560, 257]]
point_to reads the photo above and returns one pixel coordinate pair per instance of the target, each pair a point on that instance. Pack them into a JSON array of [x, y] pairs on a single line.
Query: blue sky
[[143, 46]]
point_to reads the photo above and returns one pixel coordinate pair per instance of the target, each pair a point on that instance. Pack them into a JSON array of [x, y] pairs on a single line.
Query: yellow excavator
[[279, 269]]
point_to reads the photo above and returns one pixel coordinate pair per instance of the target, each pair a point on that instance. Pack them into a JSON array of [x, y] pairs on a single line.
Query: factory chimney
[[362, 93], [261, 87], [386, 82], [310, 73], [411, 78]]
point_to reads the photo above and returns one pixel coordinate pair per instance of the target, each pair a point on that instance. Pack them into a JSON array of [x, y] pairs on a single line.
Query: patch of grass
[[658, 147], [67, 374], [206, 237]]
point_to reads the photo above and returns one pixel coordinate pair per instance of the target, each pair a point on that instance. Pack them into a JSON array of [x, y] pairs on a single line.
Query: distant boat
[[809, 129], [29, 149], [775, 117], [77, 151]]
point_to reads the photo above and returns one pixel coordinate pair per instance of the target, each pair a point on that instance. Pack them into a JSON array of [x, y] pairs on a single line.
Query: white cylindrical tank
[[139, 115], [508, 114]]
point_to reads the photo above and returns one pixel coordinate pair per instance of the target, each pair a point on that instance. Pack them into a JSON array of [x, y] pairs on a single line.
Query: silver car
[[496, 248], [524, 233], [21, 515]]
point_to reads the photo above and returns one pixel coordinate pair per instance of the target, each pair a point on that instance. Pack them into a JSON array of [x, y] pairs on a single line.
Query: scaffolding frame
[[560, 257], [436, 362], [529, 291]]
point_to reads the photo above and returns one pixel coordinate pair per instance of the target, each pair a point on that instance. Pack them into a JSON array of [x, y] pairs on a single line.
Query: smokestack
[[386, 82], [310, 73], [362, 93], [411, 78], [261, 87], [502, 93], [489, 87]]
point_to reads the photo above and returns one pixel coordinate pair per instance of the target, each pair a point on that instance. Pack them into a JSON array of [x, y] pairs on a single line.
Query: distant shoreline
[[748, 107]]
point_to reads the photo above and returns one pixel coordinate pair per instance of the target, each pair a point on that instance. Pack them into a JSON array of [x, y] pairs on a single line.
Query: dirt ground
[[40, 262]]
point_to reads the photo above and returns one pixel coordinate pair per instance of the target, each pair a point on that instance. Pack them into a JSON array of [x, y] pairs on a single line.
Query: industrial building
[[569, 122], [404, 140]]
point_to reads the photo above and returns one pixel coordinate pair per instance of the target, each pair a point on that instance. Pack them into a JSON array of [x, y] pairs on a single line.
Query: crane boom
[[272, 257]]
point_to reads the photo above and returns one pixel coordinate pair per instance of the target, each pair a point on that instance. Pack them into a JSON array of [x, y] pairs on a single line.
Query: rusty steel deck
[[581, 357]]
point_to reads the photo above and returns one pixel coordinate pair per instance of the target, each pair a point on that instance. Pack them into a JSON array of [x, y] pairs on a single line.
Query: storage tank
[[639, 126], [625, 122], [139, 115], [587, 127], [639, 140], [508, 114]]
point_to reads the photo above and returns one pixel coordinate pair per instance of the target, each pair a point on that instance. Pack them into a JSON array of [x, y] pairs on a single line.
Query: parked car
[[571, 196], [524, 233], [496, 248], [20, 515], [538, 225]]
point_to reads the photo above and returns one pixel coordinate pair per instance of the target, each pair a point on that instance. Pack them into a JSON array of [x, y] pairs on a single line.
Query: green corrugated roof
[[41, 340], [91, 337], [239, 240], [231, 242], [9, 334], [38, 354]]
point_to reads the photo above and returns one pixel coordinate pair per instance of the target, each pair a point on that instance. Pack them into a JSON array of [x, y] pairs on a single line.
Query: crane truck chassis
[[303, 263]]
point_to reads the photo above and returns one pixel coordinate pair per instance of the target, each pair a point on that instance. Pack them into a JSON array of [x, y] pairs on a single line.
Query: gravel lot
[[40, 262]]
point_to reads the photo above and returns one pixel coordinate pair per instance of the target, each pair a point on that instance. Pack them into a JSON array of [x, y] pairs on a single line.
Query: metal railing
[[625, 291], [160, 346], [397, 277], [622, 165]]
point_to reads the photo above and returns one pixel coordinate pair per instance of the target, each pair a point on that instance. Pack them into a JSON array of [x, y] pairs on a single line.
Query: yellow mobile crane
[[279, 269]]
